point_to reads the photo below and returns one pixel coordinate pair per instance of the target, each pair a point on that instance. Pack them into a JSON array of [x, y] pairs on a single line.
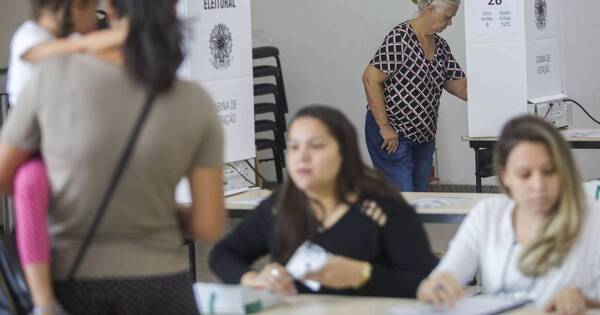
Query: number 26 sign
[[496, 16]]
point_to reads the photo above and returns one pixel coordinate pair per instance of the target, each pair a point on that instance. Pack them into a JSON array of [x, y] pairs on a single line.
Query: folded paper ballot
[[309, 257], [475, 305], [216, 298]]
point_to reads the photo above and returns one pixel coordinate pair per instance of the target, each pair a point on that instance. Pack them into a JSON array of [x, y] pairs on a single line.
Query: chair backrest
[[265, 52], [4, 100], [3, 77]]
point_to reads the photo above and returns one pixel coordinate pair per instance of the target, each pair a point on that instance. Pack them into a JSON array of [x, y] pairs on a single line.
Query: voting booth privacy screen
[[513, 58], [218, 42]]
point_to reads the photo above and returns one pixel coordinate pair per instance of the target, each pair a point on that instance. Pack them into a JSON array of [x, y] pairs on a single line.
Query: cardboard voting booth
[[218, 41], [513, 63]]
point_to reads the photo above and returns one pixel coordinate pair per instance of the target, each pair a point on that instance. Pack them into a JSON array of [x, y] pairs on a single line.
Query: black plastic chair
[[278, 108], [271, 144], [3, 88], [272, 89], [266, 125], [279, 127], [273, 71], [264, 108], [267, 70], [5, 204], [484, 166]]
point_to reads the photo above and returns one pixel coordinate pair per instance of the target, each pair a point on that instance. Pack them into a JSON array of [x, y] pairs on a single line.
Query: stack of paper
[[215, 298], [308, 258]]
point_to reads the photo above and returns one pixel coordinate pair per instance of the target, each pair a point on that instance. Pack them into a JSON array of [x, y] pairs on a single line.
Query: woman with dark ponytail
[[377, 243], [79, 111], [153, 48]]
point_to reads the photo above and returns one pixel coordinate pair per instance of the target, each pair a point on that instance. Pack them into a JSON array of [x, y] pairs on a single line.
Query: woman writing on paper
[[378, 245], [536, 241]]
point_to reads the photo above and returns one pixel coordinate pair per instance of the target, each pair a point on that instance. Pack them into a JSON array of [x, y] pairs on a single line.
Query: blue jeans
[[409, 168]]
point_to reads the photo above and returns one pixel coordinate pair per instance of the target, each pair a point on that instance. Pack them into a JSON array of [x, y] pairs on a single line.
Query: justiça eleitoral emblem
[[541, 14], [221, 47]]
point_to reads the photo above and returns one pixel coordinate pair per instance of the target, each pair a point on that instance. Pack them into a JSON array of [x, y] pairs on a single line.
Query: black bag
[[15, 298]]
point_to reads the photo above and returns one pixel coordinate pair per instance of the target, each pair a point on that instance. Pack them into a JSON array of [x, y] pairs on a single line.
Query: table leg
[[192, 256], [477, 173]]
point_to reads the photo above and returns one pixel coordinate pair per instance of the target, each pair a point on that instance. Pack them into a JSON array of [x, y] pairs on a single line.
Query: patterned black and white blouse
[[415, 84]]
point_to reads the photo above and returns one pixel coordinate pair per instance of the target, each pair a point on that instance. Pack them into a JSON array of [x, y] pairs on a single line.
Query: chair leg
[[279, 137], [280, 112], [277, 160], [280, 83], [192, 258]]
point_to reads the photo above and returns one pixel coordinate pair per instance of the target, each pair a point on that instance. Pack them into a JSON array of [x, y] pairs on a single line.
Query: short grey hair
[[422, 4]]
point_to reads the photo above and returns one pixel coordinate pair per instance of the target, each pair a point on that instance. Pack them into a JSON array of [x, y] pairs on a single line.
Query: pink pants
[[31, 197]]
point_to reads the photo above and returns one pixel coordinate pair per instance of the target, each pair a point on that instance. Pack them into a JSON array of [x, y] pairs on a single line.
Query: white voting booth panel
[[235, 103], [499, 21], [494, 86], [218, 43], [512, 58], [543, 68], [219, 56]]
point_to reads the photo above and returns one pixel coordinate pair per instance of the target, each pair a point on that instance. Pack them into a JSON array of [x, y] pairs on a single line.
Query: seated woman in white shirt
[[538, 240]]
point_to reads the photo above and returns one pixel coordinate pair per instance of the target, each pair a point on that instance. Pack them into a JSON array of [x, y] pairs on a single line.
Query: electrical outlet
[[559, 114], [556, 112]]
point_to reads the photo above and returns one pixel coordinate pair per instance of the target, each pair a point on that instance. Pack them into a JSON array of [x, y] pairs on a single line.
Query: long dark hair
[[153, 49], [295, 221], [120, 7]]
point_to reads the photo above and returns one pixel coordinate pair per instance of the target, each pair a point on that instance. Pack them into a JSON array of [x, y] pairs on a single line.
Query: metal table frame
[[483, 144], [425, 217]]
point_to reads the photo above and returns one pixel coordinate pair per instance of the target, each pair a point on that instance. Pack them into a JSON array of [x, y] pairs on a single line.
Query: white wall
[[325, 46], [12, 14], [580, 44]]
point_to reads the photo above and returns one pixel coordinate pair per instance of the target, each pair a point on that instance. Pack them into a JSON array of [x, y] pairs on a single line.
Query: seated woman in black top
[[333, 199]]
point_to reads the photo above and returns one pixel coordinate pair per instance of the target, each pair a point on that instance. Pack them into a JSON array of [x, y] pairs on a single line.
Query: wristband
[[365, 272]]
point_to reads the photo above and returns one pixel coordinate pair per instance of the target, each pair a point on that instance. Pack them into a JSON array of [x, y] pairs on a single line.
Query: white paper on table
[[217, 298], [438, 202], [476, 305], [183, 194], [309, 257], [249, 202], [236, 191]]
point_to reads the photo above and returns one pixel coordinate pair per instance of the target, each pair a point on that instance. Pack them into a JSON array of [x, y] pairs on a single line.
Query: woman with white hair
[[404, 83]]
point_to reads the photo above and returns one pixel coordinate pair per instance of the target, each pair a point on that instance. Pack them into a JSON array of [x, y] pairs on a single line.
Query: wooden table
[[338, 305], [483, 147], [457, 207]]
